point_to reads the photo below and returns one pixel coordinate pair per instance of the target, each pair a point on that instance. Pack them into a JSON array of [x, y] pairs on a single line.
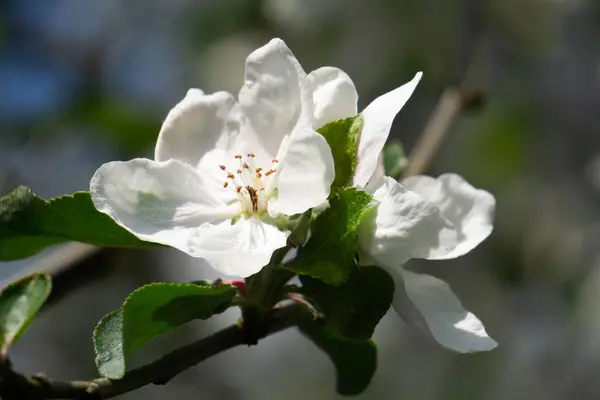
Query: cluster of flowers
[[227, 172]]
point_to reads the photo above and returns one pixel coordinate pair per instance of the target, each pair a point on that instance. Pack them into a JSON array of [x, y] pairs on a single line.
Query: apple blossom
[[227, 174], [433, 219], [421, 218]]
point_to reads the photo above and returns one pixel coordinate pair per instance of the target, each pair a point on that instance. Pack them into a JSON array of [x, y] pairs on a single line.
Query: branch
[[457, 97], [159, 372], [450, 106]]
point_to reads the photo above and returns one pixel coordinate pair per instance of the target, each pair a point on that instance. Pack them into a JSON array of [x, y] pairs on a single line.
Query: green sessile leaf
[[352, 310], [355, 363], [29, 224], [20, 301], [108, 345], [342, 136], [329, 253], [149, 312]]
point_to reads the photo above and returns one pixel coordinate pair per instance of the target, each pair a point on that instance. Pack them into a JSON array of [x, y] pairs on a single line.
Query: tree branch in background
[[457, 97], [449, 108], [15, 386]]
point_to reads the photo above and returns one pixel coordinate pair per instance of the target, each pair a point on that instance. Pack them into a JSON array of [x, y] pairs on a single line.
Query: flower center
[[252, 183]]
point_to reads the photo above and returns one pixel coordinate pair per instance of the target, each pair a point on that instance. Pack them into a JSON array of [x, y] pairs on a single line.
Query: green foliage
[[329, 253], [353, 309], [108, 345], [355, 363], [342, 137], [394, 159], [300, 230], [28, 224], [20, 301], [149, 312]]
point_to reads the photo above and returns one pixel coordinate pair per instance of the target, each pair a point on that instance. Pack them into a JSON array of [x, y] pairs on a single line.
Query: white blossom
[[421, 218], [433, 219], [227, 173]]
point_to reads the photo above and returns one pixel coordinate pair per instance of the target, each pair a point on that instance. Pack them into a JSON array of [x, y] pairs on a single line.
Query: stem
[[16, 386], [263, 291]]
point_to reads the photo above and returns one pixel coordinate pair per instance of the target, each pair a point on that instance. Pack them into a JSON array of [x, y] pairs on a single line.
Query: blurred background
[[85, 82]]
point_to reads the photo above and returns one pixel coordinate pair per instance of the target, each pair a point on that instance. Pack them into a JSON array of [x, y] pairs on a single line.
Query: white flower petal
[[305, 175], [241, 249], [470, 210], [275, 95], [195, 126], [379, 116], [377, 176], [429, 305], [334, 95], [160, 202], [403, 225]]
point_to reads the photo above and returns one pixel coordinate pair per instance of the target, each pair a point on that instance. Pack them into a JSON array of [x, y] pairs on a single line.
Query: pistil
[[249, 180]]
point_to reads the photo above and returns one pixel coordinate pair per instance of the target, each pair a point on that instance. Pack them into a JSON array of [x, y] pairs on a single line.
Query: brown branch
[[449, 108], [457, 97], [159, 372]]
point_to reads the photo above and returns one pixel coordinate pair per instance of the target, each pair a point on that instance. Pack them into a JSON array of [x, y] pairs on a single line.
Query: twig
[[16, 386], [450, 106], [446, 111], [457, 97], [57, 260]]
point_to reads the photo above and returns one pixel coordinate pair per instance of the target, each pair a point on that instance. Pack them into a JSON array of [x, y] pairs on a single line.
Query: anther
[[246, 165], [259, 175], [258, 170], [239, 171], [230, 175], [225, 184], [251, 155], [269, 172], [238, 156], [274, 160], [238, 189], [222, 167]]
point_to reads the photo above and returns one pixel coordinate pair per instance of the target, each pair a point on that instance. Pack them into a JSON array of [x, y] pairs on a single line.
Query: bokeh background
[[83, 82]]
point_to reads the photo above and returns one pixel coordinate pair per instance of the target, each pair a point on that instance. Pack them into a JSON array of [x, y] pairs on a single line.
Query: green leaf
[[28, 224], [353, 309], [108, 345], [355, 363], [149, 312], [20, 301], [394, 158], [329, 253], [342, 137]]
